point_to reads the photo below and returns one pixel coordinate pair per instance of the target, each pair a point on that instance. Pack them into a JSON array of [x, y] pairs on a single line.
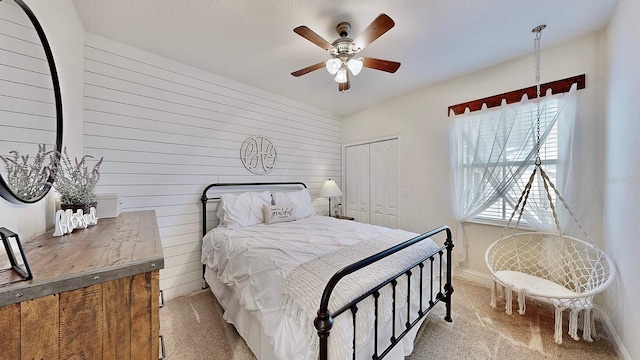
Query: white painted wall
[[622, 185], [166, 130], [66, 37]]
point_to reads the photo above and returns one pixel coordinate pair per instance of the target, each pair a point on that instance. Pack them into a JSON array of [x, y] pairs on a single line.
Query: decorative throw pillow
[[244, 209], [274, 214], [301, 199]]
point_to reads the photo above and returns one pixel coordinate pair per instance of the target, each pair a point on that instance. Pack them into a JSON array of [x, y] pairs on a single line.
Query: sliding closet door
[[383, 183], [371, 183], [357, 182]]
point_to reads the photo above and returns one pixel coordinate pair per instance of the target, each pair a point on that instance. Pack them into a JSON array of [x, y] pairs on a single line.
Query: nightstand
[[344, 217]]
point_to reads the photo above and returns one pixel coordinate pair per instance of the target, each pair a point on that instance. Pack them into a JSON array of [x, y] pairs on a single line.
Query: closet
[[371, 182]]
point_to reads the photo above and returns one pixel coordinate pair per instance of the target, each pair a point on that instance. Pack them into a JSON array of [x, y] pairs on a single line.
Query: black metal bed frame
[[324, 320]]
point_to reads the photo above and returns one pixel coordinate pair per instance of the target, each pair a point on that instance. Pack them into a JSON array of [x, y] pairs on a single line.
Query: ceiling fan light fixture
[[355, 65], [341, 76], [333, 65], [342, 52]]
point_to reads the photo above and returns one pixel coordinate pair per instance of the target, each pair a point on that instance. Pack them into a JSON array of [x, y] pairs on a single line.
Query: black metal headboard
[[205, 198]]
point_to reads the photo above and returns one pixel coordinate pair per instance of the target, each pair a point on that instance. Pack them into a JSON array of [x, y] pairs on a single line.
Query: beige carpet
[[193, 328]]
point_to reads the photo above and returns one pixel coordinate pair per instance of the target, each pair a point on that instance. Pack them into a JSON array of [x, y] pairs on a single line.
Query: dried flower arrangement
[[75, 183], [27, 179]]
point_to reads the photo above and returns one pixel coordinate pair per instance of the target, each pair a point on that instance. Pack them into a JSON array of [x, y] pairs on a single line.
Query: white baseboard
[[600, 314], [473, 276]]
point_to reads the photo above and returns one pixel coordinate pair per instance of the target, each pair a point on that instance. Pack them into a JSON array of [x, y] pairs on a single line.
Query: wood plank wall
[[166, 130]]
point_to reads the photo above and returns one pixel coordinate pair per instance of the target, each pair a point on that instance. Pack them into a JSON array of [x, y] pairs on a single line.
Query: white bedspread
[[312, 277], [256, 260]]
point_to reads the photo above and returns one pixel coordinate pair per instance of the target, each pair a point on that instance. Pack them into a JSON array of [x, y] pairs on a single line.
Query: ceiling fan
[[343, 51]]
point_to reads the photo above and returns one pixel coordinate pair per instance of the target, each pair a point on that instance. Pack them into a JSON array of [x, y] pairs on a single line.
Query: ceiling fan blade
[[379, 26], [378, 64], [308, 34], [342, 87], [308, 69]]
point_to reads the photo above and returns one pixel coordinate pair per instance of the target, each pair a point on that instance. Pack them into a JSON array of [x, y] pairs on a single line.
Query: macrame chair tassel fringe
[[573, 324], [508, 296], [589, 325], [493, 294], [522, 306], [558, 331]]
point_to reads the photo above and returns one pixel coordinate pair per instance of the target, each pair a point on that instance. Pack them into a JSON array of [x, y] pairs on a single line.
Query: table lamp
[[329, 189]]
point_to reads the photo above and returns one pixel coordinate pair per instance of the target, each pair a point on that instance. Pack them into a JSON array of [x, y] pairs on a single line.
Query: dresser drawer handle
[[163, 352], [161, 299]]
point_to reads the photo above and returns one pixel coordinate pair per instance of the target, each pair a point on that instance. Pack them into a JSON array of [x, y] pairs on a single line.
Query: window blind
[[509, 145]]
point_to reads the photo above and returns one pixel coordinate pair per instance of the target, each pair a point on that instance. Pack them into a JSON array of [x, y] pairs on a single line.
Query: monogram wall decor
[[258, 155]]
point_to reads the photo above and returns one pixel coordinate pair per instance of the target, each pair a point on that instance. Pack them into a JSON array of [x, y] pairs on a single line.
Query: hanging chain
[[536, 49]]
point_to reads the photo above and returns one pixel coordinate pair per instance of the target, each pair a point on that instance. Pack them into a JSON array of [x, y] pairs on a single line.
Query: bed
[[288, 279]]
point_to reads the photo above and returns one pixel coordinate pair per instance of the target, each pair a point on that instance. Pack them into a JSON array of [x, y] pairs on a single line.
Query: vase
[[86, 208]]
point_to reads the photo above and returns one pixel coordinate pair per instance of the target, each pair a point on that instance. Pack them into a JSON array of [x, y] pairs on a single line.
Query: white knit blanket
[[303, 289]]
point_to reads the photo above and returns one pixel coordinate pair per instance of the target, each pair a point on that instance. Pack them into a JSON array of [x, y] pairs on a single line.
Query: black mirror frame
[[5, 191]]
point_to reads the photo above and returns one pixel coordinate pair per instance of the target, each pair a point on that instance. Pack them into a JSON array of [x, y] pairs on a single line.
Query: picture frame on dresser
[[19, 269]]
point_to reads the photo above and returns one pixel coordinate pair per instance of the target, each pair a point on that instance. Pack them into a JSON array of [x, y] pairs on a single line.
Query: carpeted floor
[[193, 328]]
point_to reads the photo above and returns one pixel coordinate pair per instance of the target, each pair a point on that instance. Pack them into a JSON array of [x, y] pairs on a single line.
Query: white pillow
[[301, 199], [244, 209], [274, 214]]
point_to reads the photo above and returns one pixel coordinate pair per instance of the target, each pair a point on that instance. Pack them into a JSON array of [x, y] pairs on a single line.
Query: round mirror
[[30, 106]]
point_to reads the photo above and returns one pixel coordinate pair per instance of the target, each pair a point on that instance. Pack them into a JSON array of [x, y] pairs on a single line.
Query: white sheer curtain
[[493, 152]]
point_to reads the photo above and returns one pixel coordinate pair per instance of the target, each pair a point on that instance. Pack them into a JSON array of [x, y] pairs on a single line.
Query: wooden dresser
[[94, 294]]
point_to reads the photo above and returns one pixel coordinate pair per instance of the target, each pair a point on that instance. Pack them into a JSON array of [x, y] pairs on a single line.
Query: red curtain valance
[[557, 87]]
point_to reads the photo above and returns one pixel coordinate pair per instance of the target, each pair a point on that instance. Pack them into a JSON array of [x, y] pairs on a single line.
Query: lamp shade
[[341, 76], [355, 65], [333, 65], [329, 189]]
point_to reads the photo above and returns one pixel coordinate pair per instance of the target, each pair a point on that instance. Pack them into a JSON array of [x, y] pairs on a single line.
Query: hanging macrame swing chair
[[554, 268]]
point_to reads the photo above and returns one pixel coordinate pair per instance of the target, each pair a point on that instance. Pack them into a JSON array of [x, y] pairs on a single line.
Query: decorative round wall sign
[[258, 155]]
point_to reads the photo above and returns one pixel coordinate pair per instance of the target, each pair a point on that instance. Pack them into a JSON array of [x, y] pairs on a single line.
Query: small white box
[[109, 205]]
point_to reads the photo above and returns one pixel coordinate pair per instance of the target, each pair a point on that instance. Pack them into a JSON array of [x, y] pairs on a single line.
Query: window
[[496, 150], [493, 152]]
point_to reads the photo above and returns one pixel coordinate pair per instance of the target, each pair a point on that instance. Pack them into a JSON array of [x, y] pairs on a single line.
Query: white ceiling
[[252, 41]]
